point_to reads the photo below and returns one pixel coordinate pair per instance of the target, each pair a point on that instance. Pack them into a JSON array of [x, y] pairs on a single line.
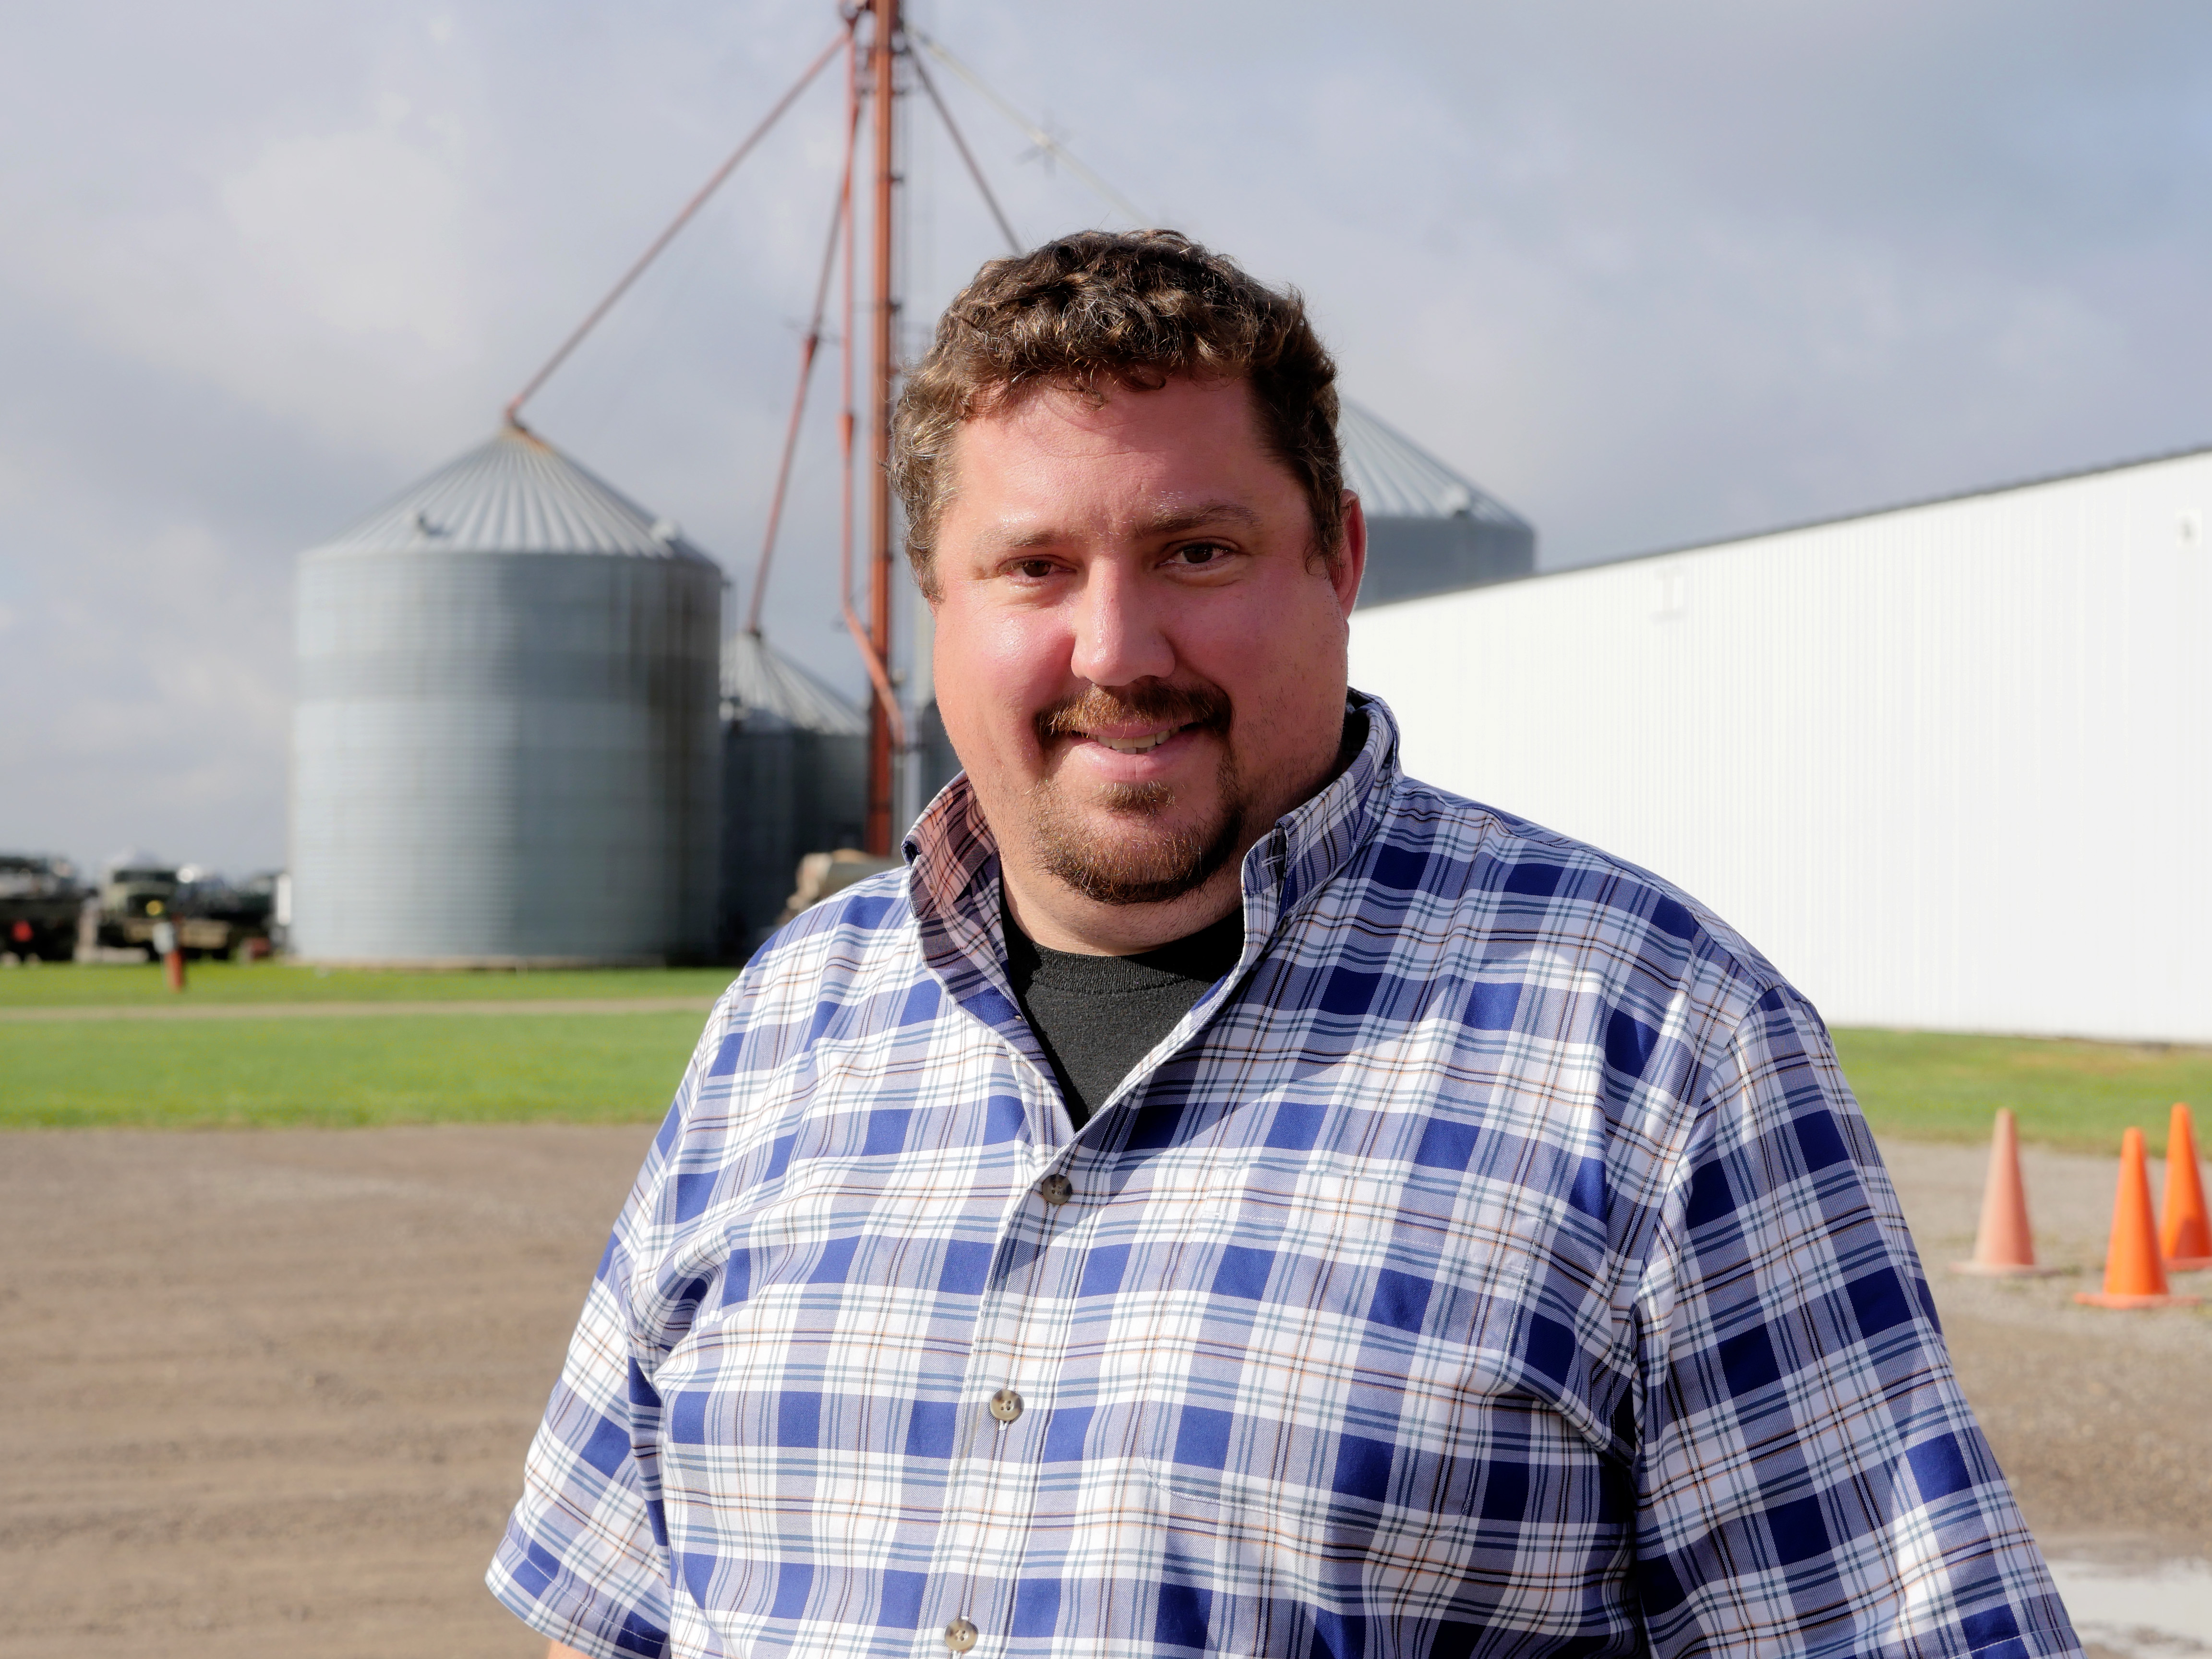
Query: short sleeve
[[1811, 1480], [585, 1559]]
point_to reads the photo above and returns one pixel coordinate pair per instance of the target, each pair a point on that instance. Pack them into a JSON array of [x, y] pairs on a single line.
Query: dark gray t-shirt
[[1096, 1016]]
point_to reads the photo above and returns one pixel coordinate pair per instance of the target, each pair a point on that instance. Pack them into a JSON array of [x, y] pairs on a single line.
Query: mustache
[[1170, 705]]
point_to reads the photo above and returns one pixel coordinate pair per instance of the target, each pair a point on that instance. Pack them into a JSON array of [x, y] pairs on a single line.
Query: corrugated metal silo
[[505, 744], [794, 782], [1429, 531]]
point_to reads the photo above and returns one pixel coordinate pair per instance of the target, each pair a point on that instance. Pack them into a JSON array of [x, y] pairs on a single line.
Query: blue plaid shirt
[[1493, 1263]]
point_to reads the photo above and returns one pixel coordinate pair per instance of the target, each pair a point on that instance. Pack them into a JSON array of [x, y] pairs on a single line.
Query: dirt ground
[[270, 1391]]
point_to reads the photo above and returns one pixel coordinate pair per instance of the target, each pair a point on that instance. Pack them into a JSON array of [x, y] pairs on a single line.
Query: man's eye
[[1035, 569], [1204, 554]]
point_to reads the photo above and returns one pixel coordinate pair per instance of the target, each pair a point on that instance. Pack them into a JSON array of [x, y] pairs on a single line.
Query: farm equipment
[[40, 898], [211, 916]]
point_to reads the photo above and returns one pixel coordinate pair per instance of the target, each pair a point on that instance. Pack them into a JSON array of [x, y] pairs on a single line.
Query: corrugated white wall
[[1950, 767]]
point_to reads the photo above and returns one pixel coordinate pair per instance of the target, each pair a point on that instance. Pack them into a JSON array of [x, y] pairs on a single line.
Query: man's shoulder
[[1505, 878], [871, 913], [830, 952]]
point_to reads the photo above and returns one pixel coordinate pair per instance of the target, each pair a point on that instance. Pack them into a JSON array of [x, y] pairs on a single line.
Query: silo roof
[[758, 679], [1396, 478], [516, 494]]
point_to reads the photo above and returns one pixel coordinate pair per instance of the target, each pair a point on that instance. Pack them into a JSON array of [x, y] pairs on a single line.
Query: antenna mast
[[882, 714]]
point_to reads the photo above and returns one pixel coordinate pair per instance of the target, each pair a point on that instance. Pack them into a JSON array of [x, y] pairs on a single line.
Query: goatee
[[1117, 851]]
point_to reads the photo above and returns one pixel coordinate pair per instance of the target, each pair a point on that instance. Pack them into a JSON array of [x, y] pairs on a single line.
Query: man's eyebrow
[[1168, 521], [1197, 518]]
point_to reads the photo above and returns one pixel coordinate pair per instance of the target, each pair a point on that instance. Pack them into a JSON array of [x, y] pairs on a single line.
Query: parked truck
[[212, 917], [219, 917], [40, 898]]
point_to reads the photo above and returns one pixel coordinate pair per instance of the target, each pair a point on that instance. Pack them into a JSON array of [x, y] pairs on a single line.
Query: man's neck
[[1059, 918]]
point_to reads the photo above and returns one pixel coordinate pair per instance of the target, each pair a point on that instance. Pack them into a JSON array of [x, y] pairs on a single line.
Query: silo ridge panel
[[514, 494], [1396, 477], [764, 682]]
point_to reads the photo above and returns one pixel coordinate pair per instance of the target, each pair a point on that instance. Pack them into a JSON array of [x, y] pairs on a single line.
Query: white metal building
[[1948, 766]]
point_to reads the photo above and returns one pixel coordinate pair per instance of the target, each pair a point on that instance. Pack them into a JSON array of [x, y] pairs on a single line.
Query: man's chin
[[1109, 860]]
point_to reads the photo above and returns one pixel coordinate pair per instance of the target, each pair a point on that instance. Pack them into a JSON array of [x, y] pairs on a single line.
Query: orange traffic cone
[[2003, 1248], [2133, 1277], [2185, 1235]]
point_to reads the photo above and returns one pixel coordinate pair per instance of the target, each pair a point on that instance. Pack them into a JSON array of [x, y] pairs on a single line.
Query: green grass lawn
[[2079, 1095], [401, 1068], [60, 985], [407, 1068]]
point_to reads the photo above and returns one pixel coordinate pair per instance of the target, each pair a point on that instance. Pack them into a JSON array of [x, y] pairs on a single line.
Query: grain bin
[[505, 745], [1429, 530], [794, 782]]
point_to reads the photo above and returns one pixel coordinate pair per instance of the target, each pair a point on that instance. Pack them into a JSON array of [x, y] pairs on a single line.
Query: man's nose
[[1120, 636]]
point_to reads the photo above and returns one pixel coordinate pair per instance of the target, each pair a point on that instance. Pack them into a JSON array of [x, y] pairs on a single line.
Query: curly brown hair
[[1131, 308]]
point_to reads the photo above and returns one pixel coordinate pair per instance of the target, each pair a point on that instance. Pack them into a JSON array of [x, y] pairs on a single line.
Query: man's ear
[[1349, 564]]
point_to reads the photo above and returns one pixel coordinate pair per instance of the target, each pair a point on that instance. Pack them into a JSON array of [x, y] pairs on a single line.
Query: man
[[1224, 1196]]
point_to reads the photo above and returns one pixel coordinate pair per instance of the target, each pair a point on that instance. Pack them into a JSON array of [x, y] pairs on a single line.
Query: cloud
[[1651, 274], [335, 278], [360, 232]]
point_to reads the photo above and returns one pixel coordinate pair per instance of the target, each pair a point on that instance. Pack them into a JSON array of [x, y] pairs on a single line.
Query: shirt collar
[[1312, 841], [952, 870]]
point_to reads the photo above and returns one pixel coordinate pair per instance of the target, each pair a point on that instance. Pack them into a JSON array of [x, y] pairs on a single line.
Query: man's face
[[1138, 659]]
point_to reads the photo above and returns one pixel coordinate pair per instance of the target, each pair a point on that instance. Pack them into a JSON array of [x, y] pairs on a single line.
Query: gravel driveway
[[269, 1391]]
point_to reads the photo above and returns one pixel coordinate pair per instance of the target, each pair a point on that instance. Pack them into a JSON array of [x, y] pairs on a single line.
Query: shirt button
[[1055, 1189], [960, 1636], [1005, 1405]]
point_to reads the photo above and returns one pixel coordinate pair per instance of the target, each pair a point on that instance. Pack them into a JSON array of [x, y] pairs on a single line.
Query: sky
[[1652, 276]]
